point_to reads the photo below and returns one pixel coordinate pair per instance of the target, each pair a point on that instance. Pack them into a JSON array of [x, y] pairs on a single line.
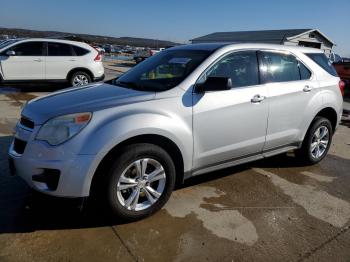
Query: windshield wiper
[[130, 85]]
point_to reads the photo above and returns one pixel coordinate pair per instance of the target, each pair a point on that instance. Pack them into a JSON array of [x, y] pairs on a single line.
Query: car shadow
[[33, 87], [23, 210]]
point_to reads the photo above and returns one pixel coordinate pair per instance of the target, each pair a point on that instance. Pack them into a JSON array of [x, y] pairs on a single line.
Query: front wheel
[[140, 181], [316, 142]]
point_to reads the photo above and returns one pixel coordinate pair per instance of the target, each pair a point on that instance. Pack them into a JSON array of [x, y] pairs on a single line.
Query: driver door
[[231, 124], [28, 62]]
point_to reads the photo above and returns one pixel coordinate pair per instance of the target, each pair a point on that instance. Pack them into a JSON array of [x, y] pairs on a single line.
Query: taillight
[[342, 87], [98, 58]]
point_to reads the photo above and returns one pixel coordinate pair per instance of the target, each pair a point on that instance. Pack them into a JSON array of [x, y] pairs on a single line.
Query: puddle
[[228, 224], [317, 203], [18, 98]]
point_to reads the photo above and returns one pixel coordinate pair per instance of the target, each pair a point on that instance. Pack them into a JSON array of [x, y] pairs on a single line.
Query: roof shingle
[[270, 36]]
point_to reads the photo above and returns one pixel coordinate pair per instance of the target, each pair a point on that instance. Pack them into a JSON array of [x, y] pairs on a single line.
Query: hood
[[82, 99]]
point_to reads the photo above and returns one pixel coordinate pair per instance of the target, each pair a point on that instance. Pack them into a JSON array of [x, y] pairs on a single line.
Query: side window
[[323, 62], [279, 67], [304, 72], [58, 49], [28, 49], [241, 67], [80, 51]]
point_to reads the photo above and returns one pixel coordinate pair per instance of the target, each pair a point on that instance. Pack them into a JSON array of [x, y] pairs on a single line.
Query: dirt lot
[[270, 210]]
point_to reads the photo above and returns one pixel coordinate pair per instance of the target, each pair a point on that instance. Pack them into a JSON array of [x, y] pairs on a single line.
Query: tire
[[307, 153], [80, 78], [124, 168]]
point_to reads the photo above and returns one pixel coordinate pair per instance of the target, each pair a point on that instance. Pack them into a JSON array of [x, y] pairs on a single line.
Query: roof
[[23, 40], [262, 36]]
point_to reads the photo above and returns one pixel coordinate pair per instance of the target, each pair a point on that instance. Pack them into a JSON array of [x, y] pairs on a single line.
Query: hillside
[[133, 41]]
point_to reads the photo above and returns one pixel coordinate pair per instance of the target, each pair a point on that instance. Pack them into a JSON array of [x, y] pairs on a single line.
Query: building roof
[[263, 36], [244, 46], [201, 46]]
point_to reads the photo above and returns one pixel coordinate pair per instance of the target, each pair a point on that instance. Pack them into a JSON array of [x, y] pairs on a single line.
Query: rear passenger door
[[60, 60], [290, 88]]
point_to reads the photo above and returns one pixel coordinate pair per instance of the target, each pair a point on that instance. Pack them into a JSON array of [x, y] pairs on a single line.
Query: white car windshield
[[8, 42], [163, 71]]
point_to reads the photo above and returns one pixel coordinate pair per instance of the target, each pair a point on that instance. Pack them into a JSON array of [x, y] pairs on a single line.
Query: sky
[[179, 20]]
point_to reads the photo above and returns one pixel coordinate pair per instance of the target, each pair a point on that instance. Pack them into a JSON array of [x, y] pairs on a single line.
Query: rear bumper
[[99, 78]]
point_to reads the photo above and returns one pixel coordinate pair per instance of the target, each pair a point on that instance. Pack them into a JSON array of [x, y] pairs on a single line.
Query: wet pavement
[[269, 210]]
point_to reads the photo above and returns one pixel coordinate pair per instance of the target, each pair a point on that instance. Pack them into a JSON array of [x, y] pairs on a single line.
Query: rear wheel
[[80, 78], [316, 142], [140, 181]]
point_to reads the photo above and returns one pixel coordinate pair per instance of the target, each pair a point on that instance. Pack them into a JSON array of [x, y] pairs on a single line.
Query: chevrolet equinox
[[186, 111]]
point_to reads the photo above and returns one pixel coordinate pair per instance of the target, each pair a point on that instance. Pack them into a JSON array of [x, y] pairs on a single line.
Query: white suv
[[50, 60]]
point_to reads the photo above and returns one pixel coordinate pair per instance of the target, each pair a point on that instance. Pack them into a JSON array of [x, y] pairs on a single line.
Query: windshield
[[7, 42], [163, 71]]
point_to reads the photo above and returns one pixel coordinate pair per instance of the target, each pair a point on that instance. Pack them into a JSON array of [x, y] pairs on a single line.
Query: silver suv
[[186, 111]]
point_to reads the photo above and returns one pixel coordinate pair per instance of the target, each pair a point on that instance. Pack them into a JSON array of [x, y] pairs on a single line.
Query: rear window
[[324, 62], [59, 49], [80, 51]]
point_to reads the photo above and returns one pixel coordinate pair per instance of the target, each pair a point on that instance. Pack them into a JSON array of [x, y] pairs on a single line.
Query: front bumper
[[50, 170]]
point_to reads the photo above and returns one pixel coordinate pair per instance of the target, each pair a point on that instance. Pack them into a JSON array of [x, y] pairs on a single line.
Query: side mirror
[[10, 53], [214, 84]]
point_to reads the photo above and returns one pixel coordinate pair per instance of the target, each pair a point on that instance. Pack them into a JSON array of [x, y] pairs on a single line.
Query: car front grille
[[26, 122], [19, 146]]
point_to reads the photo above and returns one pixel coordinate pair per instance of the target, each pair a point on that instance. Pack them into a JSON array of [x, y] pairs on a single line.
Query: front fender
[[113, 130]]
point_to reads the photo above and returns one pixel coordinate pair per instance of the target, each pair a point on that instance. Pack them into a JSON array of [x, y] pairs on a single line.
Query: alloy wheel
[[141, 184], [80, 80], [319, 142]]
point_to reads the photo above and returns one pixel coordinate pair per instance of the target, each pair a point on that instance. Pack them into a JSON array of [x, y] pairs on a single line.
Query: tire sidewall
[[317, 123], [129, 155]]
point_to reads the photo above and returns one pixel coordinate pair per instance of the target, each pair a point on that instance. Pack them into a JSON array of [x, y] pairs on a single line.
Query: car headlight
[[59, 129]]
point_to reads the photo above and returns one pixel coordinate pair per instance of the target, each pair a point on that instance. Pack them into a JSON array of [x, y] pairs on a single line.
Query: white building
[[302, 37]]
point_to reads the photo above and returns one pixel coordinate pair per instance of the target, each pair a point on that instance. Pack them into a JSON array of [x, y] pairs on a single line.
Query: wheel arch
[[165, 143], [329, 113], [78, 69]]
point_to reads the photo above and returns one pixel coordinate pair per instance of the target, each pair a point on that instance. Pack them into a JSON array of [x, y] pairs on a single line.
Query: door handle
[[73, 60], [38, 60], [257, 98], [307, 88]]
